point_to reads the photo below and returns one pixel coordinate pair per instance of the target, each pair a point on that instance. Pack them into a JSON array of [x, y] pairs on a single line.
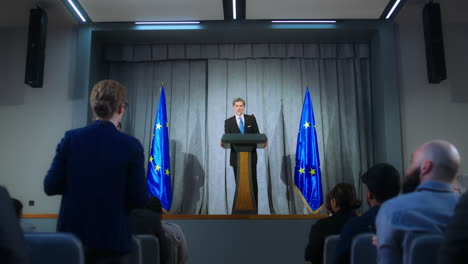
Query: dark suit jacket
[[355, 226], [454, 249], [100, 174], [323, 228], [12, 244], [250, 127]]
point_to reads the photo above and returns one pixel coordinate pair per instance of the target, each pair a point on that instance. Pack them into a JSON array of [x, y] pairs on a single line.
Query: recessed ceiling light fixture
[[304, 21], [393, 9], [166, 22], [76, 10], [234, 10]]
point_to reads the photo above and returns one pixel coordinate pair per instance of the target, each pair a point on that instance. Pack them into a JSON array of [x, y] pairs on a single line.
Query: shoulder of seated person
[[140, 211]]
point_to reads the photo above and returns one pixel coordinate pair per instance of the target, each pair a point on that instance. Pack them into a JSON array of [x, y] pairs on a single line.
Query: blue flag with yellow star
[[159, 167], [307, 176]]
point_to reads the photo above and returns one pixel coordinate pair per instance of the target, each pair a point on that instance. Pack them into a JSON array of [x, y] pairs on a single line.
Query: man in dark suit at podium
[[245, 124]]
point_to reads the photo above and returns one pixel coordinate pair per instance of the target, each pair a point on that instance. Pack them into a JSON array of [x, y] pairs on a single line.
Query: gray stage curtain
[[202, 80]]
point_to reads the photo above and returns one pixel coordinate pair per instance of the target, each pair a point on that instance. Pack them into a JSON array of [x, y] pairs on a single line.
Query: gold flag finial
[[162, 83], [307, 85]]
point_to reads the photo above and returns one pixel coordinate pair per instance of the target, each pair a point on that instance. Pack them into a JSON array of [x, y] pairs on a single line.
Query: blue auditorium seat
[[54, 248], [362, 250], [329, 248], [425, 249]]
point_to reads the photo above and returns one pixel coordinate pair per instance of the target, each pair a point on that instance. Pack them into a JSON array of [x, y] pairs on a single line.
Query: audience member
[[462, 180], [343, 204], [12, 244], [172, 238], [100, 174], [427, 210], [328, 204], [383, 183], [177, 241], [27, 227], [456, 186], [454, 249], [460, 183], [148, 221]]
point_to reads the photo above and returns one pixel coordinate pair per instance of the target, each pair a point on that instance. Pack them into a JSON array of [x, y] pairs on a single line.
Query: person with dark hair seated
[[12, 243], [172, 243], [343, 204], [328, 204], [454, 249], [27, 227], [383, 183], [148, 221]]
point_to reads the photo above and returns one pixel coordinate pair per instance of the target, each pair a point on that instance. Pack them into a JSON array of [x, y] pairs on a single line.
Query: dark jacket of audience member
[[383, 183], [12, 244], [99, 171], [344, 203], [148, 221], [454, 249]]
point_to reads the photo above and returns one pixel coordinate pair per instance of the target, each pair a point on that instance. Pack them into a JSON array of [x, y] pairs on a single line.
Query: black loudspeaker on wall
[[435, 57], [34, 75]]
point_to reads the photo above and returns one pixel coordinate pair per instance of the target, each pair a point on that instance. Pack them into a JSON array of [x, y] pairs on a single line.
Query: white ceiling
[[315, 9], [152, 10], [161, 10]]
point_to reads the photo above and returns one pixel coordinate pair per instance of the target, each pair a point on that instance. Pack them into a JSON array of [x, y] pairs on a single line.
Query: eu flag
[[307, 176], [159, 167]]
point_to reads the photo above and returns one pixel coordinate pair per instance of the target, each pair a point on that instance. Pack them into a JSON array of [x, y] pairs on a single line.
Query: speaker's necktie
[[241, 125]]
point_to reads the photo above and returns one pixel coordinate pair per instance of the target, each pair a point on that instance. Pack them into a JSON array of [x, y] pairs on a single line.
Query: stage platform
[[230, 239]]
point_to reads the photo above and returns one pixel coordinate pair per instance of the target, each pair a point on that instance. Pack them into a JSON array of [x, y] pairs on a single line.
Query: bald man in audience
[[427, 210]]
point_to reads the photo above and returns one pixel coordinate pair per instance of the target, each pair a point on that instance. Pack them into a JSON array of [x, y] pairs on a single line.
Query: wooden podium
[[244, 145]]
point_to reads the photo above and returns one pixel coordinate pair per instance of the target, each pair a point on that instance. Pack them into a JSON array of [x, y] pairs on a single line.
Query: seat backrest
[[329, 248], [362, 250], [136, 256], [54, 248], [149, 249], [425, 248]]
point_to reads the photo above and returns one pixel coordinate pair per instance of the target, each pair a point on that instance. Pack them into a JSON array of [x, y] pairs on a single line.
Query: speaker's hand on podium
[[221, 144], [266, 144]]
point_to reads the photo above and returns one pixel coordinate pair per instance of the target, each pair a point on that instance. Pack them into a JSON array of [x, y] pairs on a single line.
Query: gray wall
[[34, 120], [235, 240], [431, 111]]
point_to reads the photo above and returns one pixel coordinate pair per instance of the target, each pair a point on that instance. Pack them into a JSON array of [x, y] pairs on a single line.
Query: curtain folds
[[202, 80], [141, 53]]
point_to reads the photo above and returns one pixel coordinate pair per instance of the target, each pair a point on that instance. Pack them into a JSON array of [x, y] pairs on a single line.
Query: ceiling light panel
[[315, 9], [152, 10]]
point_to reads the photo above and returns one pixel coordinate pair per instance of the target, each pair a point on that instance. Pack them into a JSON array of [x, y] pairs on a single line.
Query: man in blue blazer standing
[[99, 171]]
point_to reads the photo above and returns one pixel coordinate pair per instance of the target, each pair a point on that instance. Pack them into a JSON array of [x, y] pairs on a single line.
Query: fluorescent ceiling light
[[393, 9], [304, 21], [166, 22], [234, 10], [76, 10]]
